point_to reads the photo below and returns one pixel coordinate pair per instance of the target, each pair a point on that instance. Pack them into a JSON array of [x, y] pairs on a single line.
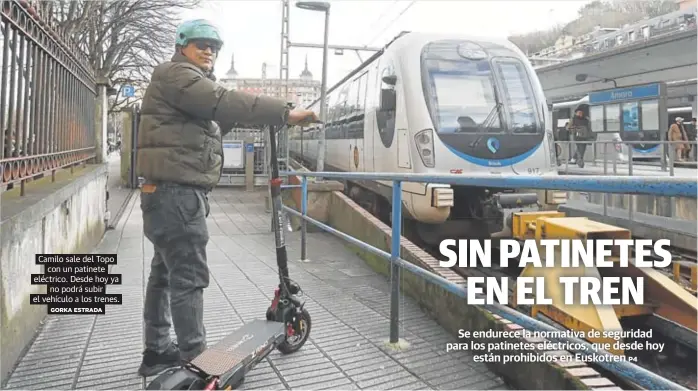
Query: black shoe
[[154, 363]]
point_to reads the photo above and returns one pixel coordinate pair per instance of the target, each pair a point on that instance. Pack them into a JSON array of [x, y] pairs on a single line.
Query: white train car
[[437, 104]]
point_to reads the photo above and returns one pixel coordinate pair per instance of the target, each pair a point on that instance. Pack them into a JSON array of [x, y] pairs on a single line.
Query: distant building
[[601, 39], [301, 91], [686, 4]]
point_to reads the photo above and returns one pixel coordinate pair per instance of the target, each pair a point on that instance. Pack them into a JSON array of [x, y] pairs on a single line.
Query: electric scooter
[[286, 328]]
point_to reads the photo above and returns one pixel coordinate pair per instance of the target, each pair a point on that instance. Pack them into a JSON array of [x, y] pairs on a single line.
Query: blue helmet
[[197, 29]]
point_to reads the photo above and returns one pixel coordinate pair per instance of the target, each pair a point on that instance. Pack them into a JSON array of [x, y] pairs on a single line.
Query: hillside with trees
[[604, 13]]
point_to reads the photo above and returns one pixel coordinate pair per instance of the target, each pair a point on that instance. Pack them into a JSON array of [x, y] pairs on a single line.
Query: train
[[437, 104]]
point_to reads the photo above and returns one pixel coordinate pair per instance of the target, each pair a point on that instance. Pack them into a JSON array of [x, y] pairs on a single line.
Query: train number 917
[[534, 171]]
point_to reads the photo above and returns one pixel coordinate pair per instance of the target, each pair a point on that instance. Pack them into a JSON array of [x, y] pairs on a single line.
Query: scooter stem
[[275, 184]]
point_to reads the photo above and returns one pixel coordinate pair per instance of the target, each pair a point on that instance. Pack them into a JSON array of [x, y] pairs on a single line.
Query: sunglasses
[[203, 45]]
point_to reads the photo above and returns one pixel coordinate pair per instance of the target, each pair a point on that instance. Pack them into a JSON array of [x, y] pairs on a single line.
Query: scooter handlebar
[[309, 120]]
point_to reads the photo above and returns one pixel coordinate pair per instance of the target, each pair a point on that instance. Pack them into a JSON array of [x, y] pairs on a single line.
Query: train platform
[[639, 169], [348, 302], [681, 233]]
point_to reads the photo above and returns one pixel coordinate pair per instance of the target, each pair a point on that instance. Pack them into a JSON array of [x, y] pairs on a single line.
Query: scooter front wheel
[[296, 341]]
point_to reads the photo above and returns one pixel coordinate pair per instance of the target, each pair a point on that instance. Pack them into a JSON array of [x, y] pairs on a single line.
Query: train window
[[350, 127], [361, 105], [613, 118], [337, 105], [631, 36], [650, 115], [461, 91], [332, 115], [646, 31], [519, 98], [353, 96], [386, 119], [342, 103], [596, 118], [463, 99]]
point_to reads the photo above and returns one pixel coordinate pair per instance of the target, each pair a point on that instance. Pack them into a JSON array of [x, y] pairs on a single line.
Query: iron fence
[[683, 187], [47, 108]]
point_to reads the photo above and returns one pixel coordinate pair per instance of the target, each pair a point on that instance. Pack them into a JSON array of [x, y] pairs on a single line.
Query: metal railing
[[619, 153], [618, 157], [684, 187], [47, 108]]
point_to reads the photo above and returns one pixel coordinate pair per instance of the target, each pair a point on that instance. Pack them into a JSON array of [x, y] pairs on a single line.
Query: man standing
[[582, 135], [677, 132], [180, 156]]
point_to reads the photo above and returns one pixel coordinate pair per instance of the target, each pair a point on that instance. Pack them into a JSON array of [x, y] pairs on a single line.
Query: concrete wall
[[319, 196], [66, 216], [450, 310]]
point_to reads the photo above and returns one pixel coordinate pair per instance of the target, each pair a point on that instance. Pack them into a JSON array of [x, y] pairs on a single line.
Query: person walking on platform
[[677, 132], [184, 115], [582, 135], [692, 132]]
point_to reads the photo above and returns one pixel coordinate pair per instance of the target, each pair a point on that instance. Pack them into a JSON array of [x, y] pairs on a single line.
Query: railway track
[[675, 362]]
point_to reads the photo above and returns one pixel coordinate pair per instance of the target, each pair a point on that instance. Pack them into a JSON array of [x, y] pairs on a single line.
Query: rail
[[638, 185], [47, 95], [618, 157]]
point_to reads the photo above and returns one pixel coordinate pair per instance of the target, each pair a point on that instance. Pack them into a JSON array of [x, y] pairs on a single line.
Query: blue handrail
[[659, 186], [643, 185]]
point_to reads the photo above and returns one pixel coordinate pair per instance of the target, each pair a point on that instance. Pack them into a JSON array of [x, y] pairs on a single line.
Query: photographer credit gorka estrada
[[76, 283]]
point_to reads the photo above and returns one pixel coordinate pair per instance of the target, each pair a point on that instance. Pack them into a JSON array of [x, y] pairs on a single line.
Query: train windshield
[[463, 95]]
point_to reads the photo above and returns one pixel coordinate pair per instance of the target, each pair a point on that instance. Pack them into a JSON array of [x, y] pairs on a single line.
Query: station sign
[[641, 92], [233, 154]]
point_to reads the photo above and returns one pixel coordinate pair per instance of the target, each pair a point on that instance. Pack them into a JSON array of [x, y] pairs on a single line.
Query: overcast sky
[[252, 29]]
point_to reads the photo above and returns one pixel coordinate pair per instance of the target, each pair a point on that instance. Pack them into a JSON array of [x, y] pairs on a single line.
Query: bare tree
[[123, 39]]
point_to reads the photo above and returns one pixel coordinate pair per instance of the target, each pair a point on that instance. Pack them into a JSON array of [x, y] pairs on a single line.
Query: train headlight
[[552, 148], [425, 146]]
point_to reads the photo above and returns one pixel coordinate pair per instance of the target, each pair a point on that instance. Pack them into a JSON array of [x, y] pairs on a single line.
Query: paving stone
[[348, 302]]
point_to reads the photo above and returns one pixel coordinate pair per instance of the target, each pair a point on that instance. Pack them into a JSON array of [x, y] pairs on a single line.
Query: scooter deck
[[244, 343]]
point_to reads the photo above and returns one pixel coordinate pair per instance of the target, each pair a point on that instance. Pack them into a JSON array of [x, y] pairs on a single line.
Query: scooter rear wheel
[[296, 341]]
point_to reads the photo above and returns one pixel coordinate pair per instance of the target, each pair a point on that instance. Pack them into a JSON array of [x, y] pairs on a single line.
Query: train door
[[386, 152], [400, 124], [370, 126]]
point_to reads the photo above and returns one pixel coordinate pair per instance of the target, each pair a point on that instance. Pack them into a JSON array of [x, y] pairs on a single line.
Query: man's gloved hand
[[302, 117]]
